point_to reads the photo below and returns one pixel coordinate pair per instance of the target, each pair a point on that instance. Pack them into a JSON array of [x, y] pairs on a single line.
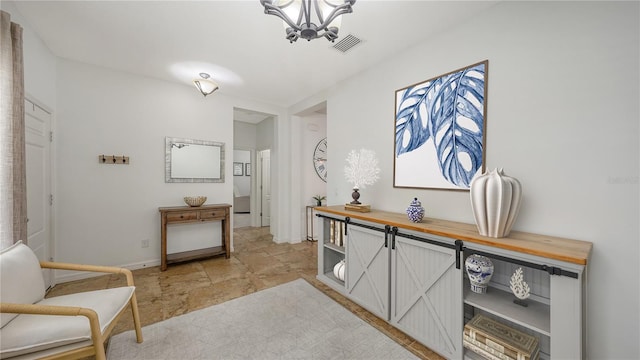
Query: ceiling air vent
[[348, 42]]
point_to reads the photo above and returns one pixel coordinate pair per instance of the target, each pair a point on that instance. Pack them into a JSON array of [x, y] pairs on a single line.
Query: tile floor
[[241, 220], [257, 263]]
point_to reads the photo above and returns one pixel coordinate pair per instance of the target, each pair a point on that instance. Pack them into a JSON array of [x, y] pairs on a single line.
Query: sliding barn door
[[426, 295], [367, 279]]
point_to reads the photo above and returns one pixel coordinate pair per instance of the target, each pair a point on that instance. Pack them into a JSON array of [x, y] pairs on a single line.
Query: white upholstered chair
[[62, 327]]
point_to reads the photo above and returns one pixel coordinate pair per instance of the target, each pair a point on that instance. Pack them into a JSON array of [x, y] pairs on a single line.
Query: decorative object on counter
[[338, 270], [361, 170], [519, 287], [195, 201], [318, 199], [495, 340], [359, 208], [415, 211], [440, 130], [355, 195], [479, 269], [495, 202]]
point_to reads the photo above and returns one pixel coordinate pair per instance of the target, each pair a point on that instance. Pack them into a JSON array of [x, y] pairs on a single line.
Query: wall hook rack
[[113, 159]]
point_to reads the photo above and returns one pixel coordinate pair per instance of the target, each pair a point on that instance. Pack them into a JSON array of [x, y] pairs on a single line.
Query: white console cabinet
[[412, 275]]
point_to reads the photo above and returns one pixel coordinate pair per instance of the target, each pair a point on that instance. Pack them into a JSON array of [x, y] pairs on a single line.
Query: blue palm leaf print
[[449, 110], [410, 122]]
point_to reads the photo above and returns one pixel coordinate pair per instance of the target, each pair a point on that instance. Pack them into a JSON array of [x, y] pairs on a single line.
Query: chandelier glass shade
[[309, 19], [205, 85]]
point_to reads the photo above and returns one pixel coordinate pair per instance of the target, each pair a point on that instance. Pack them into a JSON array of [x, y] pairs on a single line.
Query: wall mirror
[[193, 161]]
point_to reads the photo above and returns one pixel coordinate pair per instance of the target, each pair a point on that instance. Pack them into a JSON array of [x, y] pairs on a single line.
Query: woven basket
[[195, 200]]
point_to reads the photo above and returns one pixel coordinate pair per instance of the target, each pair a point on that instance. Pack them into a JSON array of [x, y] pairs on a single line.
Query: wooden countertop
[[193, 208], [573, 251]]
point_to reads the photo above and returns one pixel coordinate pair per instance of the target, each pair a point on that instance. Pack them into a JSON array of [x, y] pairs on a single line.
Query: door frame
[[50, 278], [258, 200]]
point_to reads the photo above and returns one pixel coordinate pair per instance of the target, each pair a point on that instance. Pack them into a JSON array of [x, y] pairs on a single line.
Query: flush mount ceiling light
[[309, 19], [205, 85]]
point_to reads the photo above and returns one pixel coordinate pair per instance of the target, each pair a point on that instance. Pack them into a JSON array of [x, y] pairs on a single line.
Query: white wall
[[105, 211], [244, 135], [562, 118], [265, 134]]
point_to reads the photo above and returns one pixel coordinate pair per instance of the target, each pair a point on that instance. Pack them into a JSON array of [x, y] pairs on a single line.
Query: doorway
[[242, 194], [253, 131]]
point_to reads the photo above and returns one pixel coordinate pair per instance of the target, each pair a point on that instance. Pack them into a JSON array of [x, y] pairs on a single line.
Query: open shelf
[[195, 254], [334, 247], [536, 316], [330, 275], [470, 355], [329, 279]]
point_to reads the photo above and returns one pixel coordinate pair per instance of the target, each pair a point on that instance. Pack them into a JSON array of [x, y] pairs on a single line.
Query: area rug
[[289, 321]]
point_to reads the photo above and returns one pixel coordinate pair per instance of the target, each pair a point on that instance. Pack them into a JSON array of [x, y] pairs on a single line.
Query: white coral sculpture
[[519, 288], [362, 168]]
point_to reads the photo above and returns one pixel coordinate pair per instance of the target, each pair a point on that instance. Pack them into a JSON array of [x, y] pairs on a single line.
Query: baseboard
[[62, 276]]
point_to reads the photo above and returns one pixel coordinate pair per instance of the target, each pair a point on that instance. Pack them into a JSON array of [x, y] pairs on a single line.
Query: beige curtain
[[13, 188]]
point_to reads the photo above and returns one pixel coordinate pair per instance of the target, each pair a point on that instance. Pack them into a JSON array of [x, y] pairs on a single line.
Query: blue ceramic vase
[[479, 269], [415, 211]]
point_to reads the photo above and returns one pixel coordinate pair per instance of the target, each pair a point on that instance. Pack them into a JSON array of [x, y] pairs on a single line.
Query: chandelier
[[309, 19]]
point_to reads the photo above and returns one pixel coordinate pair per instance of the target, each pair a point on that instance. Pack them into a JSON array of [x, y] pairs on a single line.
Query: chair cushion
[[31, 333], [21, 278]]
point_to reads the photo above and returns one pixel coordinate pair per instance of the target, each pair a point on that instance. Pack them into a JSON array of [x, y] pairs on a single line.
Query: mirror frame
[[170, 141]]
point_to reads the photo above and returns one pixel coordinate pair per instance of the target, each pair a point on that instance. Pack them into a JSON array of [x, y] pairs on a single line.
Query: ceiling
[[244, 49]]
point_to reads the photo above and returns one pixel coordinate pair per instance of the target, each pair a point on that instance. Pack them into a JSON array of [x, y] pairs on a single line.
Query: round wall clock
[[320, 159]]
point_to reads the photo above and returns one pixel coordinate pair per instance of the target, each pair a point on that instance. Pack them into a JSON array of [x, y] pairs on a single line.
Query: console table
[[185, 215], [309, 220]]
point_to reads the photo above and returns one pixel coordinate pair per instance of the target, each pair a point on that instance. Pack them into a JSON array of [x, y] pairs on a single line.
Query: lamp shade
[[309, 19], [205, 85]]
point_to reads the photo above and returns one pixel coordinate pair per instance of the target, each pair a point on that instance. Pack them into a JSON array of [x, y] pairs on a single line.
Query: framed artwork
[[440, 123], [238, 168], [247, 169]]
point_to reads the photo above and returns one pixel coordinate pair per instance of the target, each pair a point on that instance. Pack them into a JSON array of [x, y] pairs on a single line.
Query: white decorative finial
[[519, 288]]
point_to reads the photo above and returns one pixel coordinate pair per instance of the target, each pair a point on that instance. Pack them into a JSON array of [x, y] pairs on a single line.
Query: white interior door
[[39, 198], [265, 187]]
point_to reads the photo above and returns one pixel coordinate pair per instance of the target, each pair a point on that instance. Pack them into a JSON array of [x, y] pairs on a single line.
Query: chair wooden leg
[[100, 353], [136, 317]]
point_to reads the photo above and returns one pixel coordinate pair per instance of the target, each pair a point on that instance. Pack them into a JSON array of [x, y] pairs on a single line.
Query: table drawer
[[182, 216], [212, 214]]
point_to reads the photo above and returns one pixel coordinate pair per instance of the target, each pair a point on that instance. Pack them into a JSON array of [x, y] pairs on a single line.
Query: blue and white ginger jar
[[415, 211], [479, 269]]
